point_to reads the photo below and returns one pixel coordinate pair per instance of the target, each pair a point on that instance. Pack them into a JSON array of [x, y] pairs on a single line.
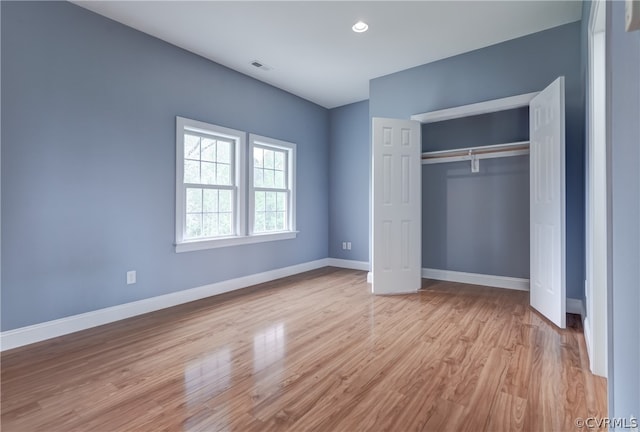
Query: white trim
[[190, 246], [369, 277], [348, 264], [485, 107], [574, 306], [586, 326], [477, 279], [47, 330], [598, 181], [597, 17], [241, 183]]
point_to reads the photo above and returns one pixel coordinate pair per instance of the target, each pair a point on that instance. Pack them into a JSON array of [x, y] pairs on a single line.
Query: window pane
[[279, 160], [194, 200], [191, 171], [268, 178], [270, 221], [278, 179], [210, 201], [194, 225], [224, 152], [191, 147], [224, 225], [259, 222], [280, 221], [224, 174], [257, 157], [208, 173], [258, 180], [268, 159], [281, 199], [259, 196], [270, 201], [208, 150], [210, 224], [224, 202]]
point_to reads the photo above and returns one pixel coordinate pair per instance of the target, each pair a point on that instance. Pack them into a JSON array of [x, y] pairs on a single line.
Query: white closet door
[[547, 200], [397, 206]]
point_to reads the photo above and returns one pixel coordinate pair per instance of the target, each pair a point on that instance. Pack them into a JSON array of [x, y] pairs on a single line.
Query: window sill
[[196, 245]]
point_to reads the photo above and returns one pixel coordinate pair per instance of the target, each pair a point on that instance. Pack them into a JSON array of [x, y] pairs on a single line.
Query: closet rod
[[482, 152]]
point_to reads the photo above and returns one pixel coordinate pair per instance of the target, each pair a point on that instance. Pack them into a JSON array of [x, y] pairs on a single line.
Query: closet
[[475, 202], [396, 194]]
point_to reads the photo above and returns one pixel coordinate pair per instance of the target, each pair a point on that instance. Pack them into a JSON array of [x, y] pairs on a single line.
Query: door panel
[[547, 199], [396, 206]]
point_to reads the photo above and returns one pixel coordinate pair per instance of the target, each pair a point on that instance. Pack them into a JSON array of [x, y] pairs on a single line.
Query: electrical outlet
[[344, 245], [348, 245], [131, 277]]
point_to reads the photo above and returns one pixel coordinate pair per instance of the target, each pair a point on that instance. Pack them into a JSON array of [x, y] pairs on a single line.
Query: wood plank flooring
[[313, 352]]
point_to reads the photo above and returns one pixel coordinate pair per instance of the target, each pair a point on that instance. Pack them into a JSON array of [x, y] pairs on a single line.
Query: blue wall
[[522, 65], [88, 163], [623, 108], [349, 181]]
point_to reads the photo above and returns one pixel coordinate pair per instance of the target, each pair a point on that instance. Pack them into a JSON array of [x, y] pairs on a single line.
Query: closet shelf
[[475, 153]]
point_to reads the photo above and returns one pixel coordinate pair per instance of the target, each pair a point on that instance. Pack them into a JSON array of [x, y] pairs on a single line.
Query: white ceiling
[[310, 46]]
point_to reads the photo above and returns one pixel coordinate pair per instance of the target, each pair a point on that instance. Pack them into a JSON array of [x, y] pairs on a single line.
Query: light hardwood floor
[[314, 351]]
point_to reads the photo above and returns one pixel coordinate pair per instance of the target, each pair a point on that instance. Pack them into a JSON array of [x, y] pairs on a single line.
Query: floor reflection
[[204, 379], [268, 347]]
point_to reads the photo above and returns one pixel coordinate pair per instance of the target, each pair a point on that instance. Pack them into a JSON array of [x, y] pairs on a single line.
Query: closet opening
[[476, 221]]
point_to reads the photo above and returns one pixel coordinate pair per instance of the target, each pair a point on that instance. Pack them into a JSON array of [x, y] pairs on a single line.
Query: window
[[212, 187], [209, 181], [271, 195]]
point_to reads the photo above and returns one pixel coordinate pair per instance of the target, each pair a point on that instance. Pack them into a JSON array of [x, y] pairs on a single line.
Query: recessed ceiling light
[[360, 27]]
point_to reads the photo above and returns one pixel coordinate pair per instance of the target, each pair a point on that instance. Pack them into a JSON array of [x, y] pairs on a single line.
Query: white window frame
[[290, 148], [239, 140], [243, 186]]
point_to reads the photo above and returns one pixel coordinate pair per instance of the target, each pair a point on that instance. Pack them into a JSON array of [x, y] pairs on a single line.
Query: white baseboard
[[586, 326], [50, 329], [369, 277], [348, 264], [38, 332], [477, 279], [574, 306]]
